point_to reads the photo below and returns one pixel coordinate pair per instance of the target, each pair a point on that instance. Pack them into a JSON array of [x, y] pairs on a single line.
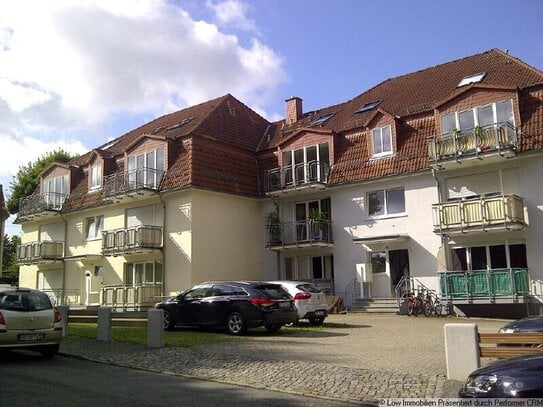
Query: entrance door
[[387, 268], [91, 295]]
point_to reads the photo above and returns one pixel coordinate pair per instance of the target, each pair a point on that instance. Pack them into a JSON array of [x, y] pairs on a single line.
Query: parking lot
[[353, 357]]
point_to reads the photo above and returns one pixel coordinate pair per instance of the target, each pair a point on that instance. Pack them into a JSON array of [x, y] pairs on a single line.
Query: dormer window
[[95, 176], [382, 141], [55, 191], [145, 170]]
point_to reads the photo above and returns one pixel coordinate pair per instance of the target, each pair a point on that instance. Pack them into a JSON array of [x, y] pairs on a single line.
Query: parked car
[[235, 306], [517, 377], [28, 320], [528, 324], [309, 300]]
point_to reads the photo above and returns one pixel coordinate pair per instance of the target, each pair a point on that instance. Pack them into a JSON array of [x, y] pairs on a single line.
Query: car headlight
[[480, 385]]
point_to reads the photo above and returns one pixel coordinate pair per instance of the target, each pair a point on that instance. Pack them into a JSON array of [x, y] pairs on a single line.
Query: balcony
[[505, 212], [490, 143], [127, 297], [137, 239], [40, 252], [308, 233], [300, 178], [493, 285], [40, 206], [142, 182]]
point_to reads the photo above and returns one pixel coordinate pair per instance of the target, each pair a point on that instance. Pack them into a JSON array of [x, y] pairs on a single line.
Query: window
[[309, 268], [94, 227], [368, 106], [471, 79], [500, 256], [382, 141], [378, 262], [55, 191], [386, 202], [480, 116], [321, 119], [307, 164], [95, 176], [145, 170], [144, 273]]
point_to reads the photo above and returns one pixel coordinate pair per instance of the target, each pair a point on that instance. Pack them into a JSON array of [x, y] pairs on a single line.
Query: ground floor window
[[489, 257], [142, 273], [309, 268]]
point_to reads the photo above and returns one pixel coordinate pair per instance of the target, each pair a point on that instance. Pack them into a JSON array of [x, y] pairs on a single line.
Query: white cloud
[[232, 13]]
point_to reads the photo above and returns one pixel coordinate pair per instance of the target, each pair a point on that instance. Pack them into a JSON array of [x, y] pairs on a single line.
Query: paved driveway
[[387, 343]]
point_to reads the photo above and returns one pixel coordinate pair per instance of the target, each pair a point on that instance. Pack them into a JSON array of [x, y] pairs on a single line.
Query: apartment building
[[428, 179]]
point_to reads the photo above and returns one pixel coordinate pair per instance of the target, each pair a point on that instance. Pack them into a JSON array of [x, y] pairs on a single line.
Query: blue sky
[[75, 74]]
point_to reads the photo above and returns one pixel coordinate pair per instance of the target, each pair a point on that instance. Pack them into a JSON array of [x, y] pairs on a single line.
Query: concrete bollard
[[104, 325], [64, 316], [461, 350], [155, 328]]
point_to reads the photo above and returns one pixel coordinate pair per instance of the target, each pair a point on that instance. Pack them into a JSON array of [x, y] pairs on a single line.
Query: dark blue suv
[[234, 306]]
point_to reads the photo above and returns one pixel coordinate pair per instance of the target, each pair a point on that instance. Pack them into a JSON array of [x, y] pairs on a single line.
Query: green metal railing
[[479, 284]]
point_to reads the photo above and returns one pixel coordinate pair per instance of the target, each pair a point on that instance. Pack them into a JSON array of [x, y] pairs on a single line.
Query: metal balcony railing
[[497, 137], [130, 240], [124, 297], [297, 176], [41, 202], [36, 252], [131, 181], [484, 213], [310, 232], [480, 284]]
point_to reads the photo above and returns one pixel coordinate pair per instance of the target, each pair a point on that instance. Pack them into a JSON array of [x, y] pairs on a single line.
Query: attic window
[[180, 124], [471, 79], [368, 106], [108, 145], [321, 119]]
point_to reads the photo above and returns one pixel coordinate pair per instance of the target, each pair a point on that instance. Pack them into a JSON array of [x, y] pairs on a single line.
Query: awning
[[376, 240]]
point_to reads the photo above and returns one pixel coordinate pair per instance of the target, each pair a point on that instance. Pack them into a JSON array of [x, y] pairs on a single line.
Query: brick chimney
[[293, 109]]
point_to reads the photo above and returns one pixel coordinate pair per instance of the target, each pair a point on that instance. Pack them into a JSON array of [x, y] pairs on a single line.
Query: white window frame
[[293, 164], [130, 273], [383, 152], [94, 226], [55, 190], [474, 111], [147, 179], [95, 176], [386, 213]]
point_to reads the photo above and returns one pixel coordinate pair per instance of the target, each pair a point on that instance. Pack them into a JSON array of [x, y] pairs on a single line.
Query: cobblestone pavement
[[355, 357]]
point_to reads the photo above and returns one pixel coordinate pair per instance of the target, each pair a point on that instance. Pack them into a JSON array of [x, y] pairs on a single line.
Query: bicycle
[[414, 304]]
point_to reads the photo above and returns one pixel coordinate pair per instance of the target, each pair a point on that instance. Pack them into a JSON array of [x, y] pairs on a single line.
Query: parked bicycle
[[414, 304]]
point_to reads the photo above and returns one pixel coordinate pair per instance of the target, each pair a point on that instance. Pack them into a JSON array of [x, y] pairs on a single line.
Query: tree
[[9, 258], [27, 179]]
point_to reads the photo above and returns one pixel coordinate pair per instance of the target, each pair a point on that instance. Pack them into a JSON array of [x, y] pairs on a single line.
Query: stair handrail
[[409, 284], [350, 291]]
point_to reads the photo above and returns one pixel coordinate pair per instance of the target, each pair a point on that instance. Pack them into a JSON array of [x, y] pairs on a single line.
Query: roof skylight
[[368, 106], [321, 119], [478, 77]]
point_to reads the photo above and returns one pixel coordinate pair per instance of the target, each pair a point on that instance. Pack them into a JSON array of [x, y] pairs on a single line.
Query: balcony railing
[[38, 203], [480, 140], [484, 213], [131, 240], [481, 284], [303, 233], [132, 181], [36, 252], [59, 296], [131, 297], [297, 176]]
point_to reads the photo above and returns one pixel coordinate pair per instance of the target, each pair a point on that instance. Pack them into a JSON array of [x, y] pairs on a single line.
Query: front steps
[[375, 305]]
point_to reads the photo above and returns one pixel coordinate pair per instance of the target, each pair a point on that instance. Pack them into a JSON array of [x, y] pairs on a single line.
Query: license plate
[[30, 337], [319, 313]]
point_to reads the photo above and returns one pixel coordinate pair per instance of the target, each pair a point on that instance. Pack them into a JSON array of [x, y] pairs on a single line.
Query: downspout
[[64, 261], [444, 242], [163, 290]]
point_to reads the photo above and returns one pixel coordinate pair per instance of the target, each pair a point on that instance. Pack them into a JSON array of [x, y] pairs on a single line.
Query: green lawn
[[183, 338]]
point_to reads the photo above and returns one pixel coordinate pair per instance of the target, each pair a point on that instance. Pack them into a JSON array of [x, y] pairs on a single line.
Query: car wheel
[[316, 321], [169, 322], [49, 351], [235, 324], [272, 327]]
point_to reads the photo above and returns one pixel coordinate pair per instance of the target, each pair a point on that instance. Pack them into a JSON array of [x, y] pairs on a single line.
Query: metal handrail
[[292, 176], [39, 202], [133, 180], [306, 231], [131, 239]]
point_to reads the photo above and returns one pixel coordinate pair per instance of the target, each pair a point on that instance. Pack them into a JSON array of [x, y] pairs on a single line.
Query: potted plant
[[273, 225], [321, 225]]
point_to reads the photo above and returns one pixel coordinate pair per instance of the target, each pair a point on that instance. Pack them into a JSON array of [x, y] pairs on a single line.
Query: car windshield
[[24, 301], [274, 291], [310, 288]]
